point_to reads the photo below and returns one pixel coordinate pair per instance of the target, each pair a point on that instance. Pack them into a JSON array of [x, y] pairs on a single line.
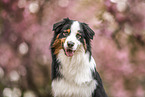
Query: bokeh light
[[7, 92], [15, 92], [34, 7], [23, 48], [29, 94], [14, 76]]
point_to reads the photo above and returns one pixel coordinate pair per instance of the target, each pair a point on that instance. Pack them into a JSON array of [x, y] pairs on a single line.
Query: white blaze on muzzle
[[72, 39]]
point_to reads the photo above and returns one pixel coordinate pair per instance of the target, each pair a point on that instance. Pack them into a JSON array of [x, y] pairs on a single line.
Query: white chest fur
[[63, 88], [76, 70]]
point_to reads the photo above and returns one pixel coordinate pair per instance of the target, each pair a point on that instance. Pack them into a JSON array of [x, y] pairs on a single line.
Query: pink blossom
[[6, 1], [140, 92]]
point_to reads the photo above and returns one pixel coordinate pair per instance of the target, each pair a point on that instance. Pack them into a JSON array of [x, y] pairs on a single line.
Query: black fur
[[99, 91], [87, 34], [57, 28]]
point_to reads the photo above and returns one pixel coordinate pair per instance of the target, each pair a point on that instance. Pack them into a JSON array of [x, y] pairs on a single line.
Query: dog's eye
[[65, 33], [78, 36]]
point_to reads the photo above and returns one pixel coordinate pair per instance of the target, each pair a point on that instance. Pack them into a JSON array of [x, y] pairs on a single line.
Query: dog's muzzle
[[69, 51]]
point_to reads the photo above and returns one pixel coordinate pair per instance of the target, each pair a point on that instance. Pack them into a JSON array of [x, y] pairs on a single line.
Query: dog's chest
[[64, 88], [77, 79]]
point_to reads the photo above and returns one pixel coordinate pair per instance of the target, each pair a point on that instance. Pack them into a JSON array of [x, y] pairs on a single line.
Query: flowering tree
[[26, 32]]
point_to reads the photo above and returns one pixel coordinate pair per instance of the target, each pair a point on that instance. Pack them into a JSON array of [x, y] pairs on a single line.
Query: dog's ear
[[58, 26], [89, 33]]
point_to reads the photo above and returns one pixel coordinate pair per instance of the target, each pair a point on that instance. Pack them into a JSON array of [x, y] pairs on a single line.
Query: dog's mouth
[[69, 52]]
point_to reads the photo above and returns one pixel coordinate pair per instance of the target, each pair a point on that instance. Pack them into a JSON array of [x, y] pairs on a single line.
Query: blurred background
[[118, 46]]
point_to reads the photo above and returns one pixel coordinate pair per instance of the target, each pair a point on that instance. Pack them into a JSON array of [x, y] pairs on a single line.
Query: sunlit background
[[118, 46]]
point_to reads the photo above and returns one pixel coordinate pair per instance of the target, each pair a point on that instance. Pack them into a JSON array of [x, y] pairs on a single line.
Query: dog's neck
[[76, 68]]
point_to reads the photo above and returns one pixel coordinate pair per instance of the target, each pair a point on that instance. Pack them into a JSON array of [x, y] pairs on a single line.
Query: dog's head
[[70, 35]]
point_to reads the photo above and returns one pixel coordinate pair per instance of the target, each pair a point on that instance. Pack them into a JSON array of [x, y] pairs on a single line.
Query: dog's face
[[70, 35]]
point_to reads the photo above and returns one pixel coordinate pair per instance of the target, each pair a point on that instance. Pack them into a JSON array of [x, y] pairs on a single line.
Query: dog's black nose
[[70, 44]]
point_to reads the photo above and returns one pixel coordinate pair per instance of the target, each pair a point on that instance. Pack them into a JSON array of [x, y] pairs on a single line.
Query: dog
[[73, 67]]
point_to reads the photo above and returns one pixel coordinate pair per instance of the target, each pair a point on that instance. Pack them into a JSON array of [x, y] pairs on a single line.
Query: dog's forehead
[[75, 26]]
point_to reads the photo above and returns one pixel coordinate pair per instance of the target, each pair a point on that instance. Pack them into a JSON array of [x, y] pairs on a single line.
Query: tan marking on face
[[58, 44], [68, 30]]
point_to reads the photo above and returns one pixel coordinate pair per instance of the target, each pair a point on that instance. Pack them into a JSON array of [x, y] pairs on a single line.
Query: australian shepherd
[[73, 67]]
